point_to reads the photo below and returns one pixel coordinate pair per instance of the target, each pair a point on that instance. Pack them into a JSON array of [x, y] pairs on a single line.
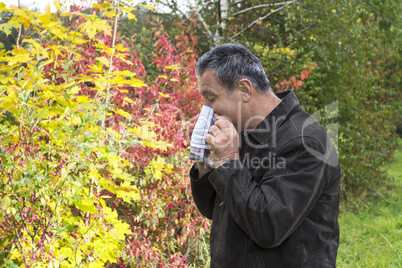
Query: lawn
[[373, 237]]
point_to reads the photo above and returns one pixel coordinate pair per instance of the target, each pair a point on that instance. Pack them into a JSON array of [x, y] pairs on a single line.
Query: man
[[273, 193]]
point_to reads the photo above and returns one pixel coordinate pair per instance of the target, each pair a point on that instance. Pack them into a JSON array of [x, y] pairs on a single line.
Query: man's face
[[217, 97]]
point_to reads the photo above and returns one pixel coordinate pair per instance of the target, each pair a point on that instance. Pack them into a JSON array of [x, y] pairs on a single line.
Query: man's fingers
[[213, 129], [223, 123], [209, 139], [218, 116], [194, 119], [222, 117]]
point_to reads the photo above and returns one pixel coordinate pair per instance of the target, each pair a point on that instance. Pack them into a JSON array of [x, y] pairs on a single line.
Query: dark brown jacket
[[278, 205]]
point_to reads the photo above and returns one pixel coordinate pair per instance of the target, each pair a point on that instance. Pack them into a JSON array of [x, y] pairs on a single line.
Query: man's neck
[[261, 106]]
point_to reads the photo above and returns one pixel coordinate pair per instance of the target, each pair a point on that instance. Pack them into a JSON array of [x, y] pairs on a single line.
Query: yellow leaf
[[121, 175], [21, 16], [113, 160], [7, 103], [108, 185], [164, 95], [122, 90], [113, 133], [156, 145], [35, 44], [136, 83], [125, 73], [98, 6], [163, 76], [92, 28], [15, 254], [75, 90], [18, 59], [3, 7], [152, 8], [169, 168], [117, 81], [123, 113], [82, 99], [144, 133], [110, 13], [104, 60], [58, 33], [5, 79], [172, 67], [94, 174], [86, 205], [128, 100], [57, 4], [131, 16], [174, 79], [75, 120], [123, 229], [67, 253], [128, 193]]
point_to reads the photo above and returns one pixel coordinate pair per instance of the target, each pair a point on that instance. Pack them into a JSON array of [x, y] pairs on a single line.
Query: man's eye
[[211, 99]]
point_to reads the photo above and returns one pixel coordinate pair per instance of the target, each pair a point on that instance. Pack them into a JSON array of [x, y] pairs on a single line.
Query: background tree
[[356, 49]]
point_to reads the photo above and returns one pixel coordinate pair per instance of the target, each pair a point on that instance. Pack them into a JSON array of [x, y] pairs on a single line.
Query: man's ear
[[246, 89]]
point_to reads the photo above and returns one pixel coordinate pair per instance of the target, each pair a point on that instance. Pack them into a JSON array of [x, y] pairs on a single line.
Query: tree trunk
[[223, 10]]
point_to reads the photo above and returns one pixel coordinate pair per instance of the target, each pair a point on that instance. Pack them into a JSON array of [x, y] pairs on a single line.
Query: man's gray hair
[[230, 63]]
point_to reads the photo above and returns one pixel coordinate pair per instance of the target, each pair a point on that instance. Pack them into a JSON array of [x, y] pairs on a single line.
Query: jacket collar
[[276, 118]]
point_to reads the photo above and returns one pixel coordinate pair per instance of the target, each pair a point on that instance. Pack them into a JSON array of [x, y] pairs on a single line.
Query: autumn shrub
[[94, 161]]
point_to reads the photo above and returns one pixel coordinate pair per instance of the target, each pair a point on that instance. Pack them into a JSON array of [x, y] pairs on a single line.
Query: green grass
[[373, 237]]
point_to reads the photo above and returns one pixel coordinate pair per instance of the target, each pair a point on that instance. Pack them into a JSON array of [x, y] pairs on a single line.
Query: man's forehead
[[208, 74]]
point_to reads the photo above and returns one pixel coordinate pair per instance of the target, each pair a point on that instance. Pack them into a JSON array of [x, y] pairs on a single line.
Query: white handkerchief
[[199, 150]]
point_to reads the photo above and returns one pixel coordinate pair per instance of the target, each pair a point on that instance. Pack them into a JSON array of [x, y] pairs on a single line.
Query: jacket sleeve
[[272, 209], [203, 192]]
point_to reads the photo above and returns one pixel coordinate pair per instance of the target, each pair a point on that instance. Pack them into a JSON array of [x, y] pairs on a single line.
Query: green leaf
[[10, 263], [7, 27], [86, 206], [5, 202]]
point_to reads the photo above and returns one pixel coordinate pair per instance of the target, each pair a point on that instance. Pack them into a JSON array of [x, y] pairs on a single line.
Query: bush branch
[[259, 6], [260, 19]]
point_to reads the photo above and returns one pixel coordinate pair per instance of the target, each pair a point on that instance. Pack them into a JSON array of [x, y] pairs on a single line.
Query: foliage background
[[95, 105]]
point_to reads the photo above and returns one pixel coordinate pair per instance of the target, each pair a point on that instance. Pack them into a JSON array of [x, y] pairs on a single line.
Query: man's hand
[[191, 127], [223, 141], [202, 167]]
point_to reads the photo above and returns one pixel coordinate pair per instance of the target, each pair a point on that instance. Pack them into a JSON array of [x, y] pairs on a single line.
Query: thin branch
[[259, 6], [174, 8], [303, 30], [260, 19], [19, 242], [201, 19], [17, 43], [114, 35], [195, 10]]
